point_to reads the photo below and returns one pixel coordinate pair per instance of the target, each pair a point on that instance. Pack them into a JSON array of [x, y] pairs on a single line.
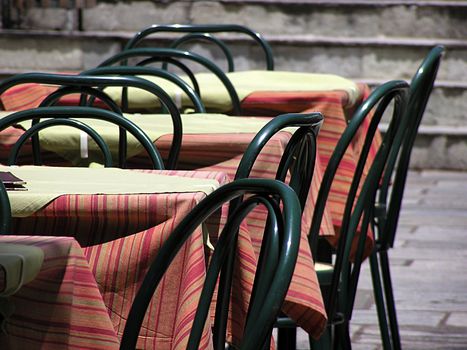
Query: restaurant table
[[203, 149], [127, 229], [216, 142], [62, 307], [229, 157], [268, 93]]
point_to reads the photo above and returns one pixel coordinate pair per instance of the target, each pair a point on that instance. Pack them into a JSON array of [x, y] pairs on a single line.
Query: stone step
[[370, 61], [442, 19], [362, 40], [367, 58], [422, 19]]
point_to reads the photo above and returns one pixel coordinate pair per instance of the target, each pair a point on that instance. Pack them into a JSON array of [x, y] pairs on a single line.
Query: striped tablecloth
[[223, 153], [120, 235], [63, 307], [337, 107]]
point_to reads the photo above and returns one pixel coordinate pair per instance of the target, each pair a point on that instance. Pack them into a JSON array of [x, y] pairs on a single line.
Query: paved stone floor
[[429, 269]]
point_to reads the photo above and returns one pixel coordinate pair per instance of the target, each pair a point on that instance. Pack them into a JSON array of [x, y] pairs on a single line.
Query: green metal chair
[[298, 160], [339, 280], [208, 38], [149, 71], [87, 85], [391, 191], [203, 32], [5, 211], [275, 266], [62, 115], [299, 155], [164, 53]]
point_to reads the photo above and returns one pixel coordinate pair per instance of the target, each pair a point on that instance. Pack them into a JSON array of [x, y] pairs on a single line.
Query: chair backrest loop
[[206, 28], [179, 54], [283, 243], [104, 81], [362, 192], [87, 113]]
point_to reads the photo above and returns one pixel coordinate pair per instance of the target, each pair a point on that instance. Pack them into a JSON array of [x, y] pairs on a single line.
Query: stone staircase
[[363, 40]]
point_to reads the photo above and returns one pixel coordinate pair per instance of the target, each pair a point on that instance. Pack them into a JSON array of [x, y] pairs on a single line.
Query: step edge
[[440, 84], [434, 130], [368, 3], [273, 39]]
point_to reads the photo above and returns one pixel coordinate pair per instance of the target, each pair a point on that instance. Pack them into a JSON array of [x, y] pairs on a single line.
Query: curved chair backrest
[[102, 81], [179, 54], [5, 211], [271, 282], [41, 125], [206, 28], [81, 113], [179, 64], [149, 71], [54, 97], [299, 155], [194, 37], [421, 87], [358, 208], [298, 159]]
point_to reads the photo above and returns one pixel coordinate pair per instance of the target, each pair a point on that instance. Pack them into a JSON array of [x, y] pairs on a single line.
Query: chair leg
[[390, 303], [342, 337], [324, 342], [379, 301], [286, 338]]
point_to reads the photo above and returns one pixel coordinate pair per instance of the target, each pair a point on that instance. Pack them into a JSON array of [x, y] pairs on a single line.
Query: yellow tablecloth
[[215, 95], [66, 141], [44, 184]]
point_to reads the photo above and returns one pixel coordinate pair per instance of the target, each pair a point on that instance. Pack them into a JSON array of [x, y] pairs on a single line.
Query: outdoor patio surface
[[429, 269]]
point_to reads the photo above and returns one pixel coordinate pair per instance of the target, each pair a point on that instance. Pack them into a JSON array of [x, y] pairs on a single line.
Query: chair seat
[[20, 264]]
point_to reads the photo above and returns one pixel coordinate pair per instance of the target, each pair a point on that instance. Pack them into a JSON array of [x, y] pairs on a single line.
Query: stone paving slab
[[428, 266]]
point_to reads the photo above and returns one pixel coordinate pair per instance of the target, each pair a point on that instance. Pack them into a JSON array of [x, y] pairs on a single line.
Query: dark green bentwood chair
[[153, 54], [87, 85], [338, 280], [5, 211], [149, 71], [274, 270], [62, 115], [298, 160], [391, 191], [197, 32]]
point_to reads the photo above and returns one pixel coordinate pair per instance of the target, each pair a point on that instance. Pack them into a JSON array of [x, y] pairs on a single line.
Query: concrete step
[[441, 19], [402, 18], [371, 61], [355, 57], [362, 40]]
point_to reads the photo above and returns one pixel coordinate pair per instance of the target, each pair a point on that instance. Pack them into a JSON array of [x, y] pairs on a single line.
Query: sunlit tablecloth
[[63, 307], [120, 235]]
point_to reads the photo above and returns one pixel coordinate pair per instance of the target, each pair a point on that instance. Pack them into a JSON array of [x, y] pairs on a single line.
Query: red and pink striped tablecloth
[[120, 234], [62, 308], [222, 153]]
